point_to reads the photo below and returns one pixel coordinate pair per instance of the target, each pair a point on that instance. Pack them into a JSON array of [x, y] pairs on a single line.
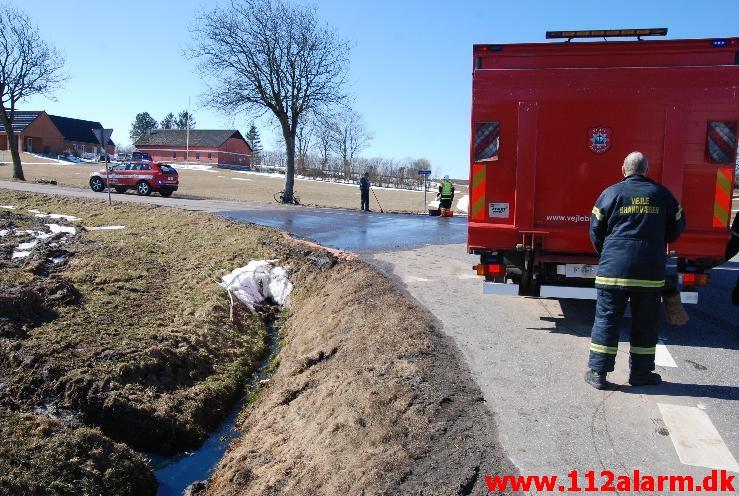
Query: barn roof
[[77, 129], [23, 118], [72, 129], [213, 138]]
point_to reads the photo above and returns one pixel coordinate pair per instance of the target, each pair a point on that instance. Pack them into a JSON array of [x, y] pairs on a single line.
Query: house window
[[174, 154], [74, 146], [209, 156], [197, 155], [487, 141], [84, 148], [721, 142]]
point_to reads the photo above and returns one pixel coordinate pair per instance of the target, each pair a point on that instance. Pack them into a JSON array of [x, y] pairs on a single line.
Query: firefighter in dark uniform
[[364, 187], [631, 224]]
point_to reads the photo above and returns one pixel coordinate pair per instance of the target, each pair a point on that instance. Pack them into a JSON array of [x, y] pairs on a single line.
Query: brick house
[[39, 132], [217, 147]]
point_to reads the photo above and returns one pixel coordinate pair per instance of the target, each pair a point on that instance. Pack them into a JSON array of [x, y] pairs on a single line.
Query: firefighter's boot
[[644, 378], [596, 379]]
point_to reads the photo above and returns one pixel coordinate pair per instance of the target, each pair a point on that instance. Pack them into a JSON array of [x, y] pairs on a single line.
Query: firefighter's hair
[[635, 163]]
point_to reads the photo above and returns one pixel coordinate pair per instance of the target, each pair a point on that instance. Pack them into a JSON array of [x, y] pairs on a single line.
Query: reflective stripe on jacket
[[630, 226]]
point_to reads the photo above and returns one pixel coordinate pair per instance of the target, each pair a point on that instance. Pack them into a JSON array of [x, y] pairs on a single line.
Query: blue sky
[[410, 67]]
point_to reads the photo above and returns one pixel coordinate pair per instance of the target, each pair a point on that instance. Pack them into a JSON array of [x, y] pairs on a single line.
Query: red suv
[[144, 177]]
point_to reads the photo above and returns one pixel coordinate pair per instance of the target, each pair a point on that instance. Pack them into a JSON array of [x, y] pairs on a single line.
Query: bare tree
[[349, 136], [271, 56], [303, 139], [324, 138], [28, 66]]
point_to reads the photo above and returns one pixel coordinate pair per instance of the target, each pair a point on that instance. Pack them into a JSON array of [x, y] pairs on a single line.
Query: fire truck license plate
[[581, 270]]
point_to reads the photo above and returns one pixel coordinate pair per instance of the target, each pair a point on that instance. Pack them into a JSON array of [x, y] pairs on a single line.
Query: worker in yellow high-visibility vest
[[446, 195]]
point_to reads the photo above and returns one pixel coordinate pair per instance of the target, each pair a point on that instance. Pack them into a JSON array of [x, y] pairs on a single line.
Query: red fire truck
[[551, 125]]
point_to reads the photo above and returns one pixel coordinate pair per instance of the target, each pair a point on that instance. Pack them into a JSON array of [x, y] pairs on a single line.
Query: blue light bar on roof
[[720, 42]]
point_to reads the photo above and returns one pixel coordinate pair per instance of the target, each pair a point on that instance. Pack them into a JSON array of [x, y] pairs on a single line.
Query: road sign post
[[425, 173], [103, 136]]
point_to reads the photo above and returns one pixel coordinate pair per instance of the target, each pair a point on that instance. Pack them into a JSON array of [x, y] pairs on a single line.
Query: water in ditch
[[176, 473]]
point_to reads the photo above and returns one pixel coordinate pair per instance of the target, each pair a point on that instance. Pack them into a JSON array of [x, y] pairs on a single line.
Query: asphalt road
[[350, 230], [528, 355]]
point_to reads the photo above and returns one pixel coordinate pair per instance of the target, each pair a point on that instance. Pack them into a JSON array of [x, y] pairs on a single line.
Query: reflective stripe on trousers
[[609, 311]]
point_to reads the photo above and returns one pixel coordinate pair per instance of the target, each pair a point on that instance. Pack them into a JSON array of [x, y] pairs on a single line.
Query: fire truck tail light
[[494, 270], [692, 279]]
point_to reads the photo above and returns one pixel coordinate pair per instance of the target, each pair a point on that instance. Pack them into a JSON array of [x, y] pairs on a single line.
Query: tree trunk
[[289, 167], [13, 145]]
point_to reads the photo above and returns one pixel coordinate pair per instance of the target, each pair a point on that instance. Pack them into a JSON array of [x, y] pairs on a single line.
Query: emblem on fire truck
[[599, 139]]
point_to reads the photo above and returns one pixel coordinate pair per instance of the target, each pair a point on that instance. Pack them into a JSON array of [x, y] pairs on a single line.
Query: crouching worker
[[630, 226], [446, 196]]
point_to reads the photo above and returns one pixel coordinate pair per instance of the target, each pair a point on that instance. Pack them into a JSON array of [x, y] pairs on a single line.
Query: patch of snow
[[56, 228], [58, 260], [196, 167], [8, 207], [105, 228], [241, 178], [463, 204], [4, 232], [258, 281], [27, 246], [34, 211], [69, 218], [20, 254], [263, 174]]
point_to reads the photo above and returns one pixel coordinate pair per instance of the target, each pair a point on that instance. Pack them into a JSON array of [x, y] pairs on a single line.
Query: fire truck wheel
[[120, 189], [97, 184], [143, 188]]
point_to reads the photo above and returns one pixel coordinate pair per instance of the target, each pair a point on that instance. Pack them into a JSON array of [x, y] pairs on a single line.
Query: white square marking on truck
[[500, 210]]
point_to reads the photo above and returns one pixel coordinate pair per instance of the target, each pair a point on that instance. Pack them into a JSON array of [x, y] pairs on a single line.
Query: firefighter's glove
[[676, 314]]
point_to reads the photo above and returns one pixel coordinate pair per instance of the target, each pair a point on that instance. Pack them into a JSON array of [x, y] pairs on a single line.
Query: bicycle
[[280, 198]]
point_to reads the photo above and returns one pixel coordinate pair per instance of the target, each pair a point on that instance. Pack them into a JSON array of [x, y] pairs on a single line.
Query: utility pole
[[187, 138]]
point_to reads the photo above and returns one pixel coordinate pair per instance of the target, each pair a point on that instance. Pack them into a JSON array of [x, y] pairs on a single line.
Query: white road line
[[468, 276], [410, 278], [662, 357], [696, 440]]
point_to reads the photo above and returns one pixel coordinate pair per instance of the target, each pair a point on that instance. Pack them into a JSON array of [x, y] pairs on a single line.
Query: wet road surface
[[358, 231], [349, 230]]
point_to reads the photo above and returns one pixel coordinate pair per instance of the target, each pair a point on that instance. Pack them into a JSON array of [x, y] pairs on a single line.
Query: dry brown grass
[[224, 184], [149, 355], [39, 456], [369, 398]]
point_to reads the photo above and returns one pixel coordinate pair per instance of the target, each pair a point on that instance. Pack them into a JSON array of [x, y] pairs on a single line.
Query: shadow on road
[[714, 322], [678, 389]]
